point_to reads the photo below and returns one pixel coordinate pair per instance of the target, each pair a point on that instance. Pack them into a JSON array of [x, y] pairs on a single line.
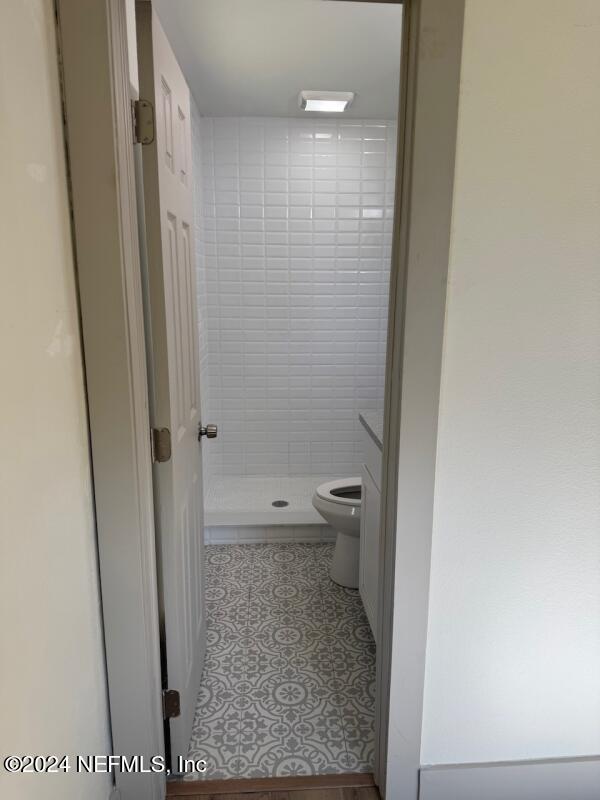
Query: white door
[[174, 368]]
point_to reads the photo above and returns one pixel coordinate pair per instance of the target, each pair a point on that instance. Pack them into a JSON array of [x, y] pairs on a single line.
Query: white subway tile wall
[[293, 241]]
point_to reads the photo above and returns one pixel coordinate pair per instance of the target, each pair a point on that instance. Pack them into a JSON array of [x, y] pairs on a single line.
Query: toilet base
[[344, 567]]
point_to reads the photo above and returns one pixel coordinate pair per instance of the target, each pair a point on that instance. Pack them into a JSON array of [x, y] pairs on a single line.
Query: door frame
[[92, 44], [96, 96], [429, 95]]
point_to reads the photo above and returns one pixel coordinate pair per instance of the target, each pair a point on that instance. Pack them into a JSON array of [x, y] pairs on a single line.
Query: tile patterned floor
[[289, 681]]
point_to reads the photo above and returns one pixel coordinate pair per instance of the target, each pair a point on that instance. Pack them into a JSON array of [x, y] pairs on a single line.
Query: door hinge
[[170, 703], [161, 444], [142, 114]]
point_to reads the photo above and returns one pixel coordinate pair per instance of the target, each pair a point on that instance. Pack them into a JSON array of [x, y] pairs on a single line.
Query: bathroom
[[292, 241]]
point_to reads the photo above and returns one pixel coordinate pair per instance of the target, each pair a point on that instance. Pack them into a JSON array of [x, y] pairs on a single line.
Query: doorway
[[293, 215], [104, 213]]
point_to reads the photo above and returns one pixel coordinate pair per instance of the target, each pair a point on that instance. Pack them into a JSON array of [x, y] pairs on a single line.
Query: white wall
[[295, 256], [513, 652], [52, 690]]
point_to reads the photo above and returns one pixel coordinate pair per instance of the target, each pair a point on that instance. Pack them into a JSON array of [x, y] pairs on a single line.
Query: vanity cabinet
[[369, 529]]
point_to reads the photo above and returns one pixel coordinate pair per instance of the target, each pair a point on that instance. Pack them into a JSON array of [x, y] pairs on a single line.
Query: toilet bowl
[[338, 502]]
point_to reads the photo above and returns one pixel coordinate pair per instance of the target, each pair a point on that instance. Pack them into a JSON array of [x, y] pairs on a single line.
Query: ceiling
[[252, 57]]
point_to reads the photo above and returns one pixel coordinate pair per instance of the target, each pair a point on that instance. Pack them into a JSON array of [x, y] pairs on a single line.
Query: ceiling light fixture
[[325, 102]]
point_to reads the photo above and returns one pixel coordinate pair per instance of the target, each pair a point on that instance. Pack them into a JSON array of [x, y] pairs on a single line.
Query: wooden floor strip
[[179, 788]]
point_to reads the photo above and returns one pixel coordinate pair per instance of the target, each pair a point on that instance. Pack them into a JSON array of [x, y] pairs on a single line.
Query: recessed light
[[325, 102]]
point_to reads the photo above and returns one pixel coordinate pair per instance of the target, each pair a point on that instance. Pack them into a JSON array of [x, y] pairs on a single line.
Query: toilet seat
[[329, 491]]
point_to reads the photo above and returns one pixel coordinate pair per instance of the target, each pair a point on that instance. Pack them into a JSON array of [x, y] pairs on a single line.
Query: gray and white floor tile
[[289, 679]]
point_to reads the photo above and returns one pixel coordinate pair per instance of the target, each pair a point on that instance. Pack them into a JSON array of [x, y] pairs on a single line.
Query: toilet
[[338, 502]]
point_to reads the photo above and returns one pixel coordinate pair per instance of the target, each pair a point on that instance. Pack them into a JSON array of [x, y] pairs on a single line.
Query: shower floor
[[248, 501]]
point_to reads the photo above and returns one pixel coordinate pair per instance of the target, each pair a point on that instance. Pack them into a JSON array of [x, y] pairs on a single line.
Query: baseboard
[[268, 534], [546, 779], [274, 516], [183, 788]]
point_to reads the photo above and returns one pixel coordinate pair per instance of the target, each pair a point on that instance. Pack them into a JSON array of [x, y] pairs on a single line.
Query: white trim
[[548, 779], [276, 516], [430, 73], [96, 93], [268, 534]]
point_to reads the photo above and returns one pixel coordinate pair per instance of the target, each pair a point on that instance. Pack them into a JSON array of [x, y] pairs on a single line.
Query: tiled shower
[[293, 238]]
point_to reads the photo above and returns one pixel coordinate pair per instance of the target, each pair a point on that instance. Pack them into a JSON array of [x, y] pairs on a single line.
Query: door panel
[[174, 382]]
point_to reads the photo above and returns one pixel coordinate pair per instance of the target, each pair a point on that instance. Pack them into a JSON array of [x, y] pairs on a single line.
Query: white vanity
[[372, 422]]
